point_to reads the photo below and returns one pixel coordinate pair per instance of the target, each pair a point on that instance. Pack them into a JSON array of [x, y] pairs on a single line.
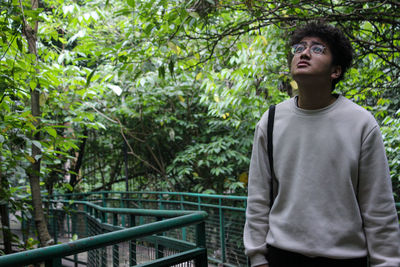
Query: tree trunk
[[34, 175], [74, 177], [5, 220], [5, 227]]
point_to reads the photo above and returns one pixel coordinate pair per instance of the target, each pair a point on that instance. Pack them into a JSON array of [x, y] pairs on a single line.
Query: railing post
[[54, 223], [222, 231], [68, 223], [201, 261], [103, 217], [56, 262], [140, 207], [198, 203], [183, 228], [103, 250], [104, 203], [122, 205], [160, 203], [74, 230], [159, 248], [88, 212], [132, 243], [140, 200], [115, 247]]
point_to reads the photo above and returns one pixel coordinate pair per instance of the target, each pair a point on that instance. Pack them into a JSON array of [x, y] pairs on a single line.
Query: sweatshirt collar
[[315, 111]]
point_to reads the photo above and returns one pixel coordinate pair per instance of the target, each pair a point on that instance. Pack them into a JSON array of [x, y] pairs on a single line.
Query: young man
[[334, 204]]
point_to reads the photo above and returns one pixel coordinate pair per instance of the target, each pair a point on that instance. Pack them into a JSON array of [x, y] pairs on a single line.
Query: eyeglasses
[[317, 49]]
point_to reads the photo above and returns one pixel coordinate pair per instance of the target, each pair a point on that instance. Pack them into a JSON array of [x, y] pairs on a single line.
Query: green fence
[[224, 224], [118, 237]]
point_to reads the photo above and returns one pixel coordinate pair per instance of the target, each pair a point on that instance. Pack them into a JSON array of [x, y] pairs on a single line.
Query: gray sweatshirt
[[335, 195]]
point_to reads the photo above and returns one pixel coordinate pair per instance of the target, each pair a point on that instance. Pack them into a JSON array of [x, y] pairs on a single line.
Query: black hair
[[338, 43]]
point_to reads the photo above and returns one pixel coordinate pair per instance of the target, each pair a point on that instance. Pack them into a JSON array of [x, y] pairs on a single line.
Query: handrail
[[142, 212], [184, 218], [231, 197], [158, 193]]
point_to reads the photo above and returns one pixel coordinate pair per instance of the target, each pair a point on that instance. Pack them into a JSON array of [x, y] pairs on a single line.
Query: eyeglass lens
[[315, 48]]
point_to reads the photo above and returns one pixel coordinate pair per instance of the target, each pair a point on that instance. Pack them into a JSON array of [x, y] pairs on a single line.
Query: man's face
[[313, 59]]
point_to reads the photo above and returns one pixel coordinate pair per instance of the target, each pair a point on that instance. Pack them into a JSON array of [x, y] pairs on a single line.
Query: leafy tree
[[236, 51], [34, 102]]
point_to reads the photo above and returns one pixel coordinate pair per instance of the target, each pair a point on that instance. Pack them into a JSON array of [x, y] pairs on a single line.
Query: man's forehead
[[312, 40]]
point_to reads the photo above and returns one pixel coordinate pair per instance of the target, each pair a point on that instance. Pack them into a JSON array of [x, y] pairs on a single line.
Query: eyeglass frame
[[305, 45]]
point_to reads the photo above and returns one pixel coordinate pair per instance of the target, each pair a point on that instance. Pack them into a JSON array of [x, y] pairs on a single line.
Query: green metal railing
[[224, 225], [169, 251]]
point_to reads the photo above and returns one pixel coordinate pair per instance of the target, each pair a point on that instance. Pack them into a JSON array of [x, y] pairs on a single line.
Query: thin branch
[[125, 139], [102, 114], [133, 153], [15, 36]]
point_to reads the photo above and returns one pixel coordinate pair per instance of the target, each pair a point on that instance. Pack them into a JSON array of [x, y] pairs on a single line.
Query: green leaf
[[32, 160], [19, 44], [171, 67], [34, 14], [115, 88], [161, 72], [51, 132], [32, 84], [37, 144], [89, 78], [194, 15], [90, 116], [131, 3], [68, 187]]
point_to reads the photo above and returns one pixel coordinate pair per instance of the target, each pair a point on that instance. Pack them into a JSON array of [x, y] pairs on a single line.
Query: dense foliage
[[166, 94]]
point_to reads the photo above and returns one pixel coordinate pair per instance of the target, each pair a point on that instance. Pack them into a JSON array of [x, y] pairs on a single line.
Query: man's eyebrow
[[312, 43], [319, 43]]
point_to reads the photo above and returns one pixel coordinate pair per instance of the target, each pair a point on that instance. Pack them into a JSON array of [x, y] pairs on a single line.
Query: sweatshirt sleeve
[[381, 224], [257, 211]]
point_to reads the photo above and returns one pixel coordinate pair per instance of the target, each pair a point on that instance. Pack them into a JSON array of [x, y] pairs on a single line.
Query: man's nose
[[306, 53]]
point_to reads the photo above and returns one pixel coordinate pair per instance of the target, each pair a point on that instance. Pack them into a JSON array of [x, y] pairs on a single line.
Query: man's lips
[[303, 64]]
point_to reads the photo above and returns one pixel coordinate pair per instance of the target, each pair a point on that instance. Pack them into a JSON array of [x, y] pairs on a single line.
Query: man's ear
[[336, 71]]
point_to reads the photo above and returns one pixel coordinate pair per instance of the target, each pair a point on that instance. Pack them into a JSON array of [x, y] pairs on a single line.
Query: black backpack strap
[[271, 118]]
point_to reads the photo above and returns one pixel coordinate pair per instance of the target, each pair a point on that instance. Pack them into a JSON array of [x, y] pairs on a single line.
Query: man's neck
[[315, 96]]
